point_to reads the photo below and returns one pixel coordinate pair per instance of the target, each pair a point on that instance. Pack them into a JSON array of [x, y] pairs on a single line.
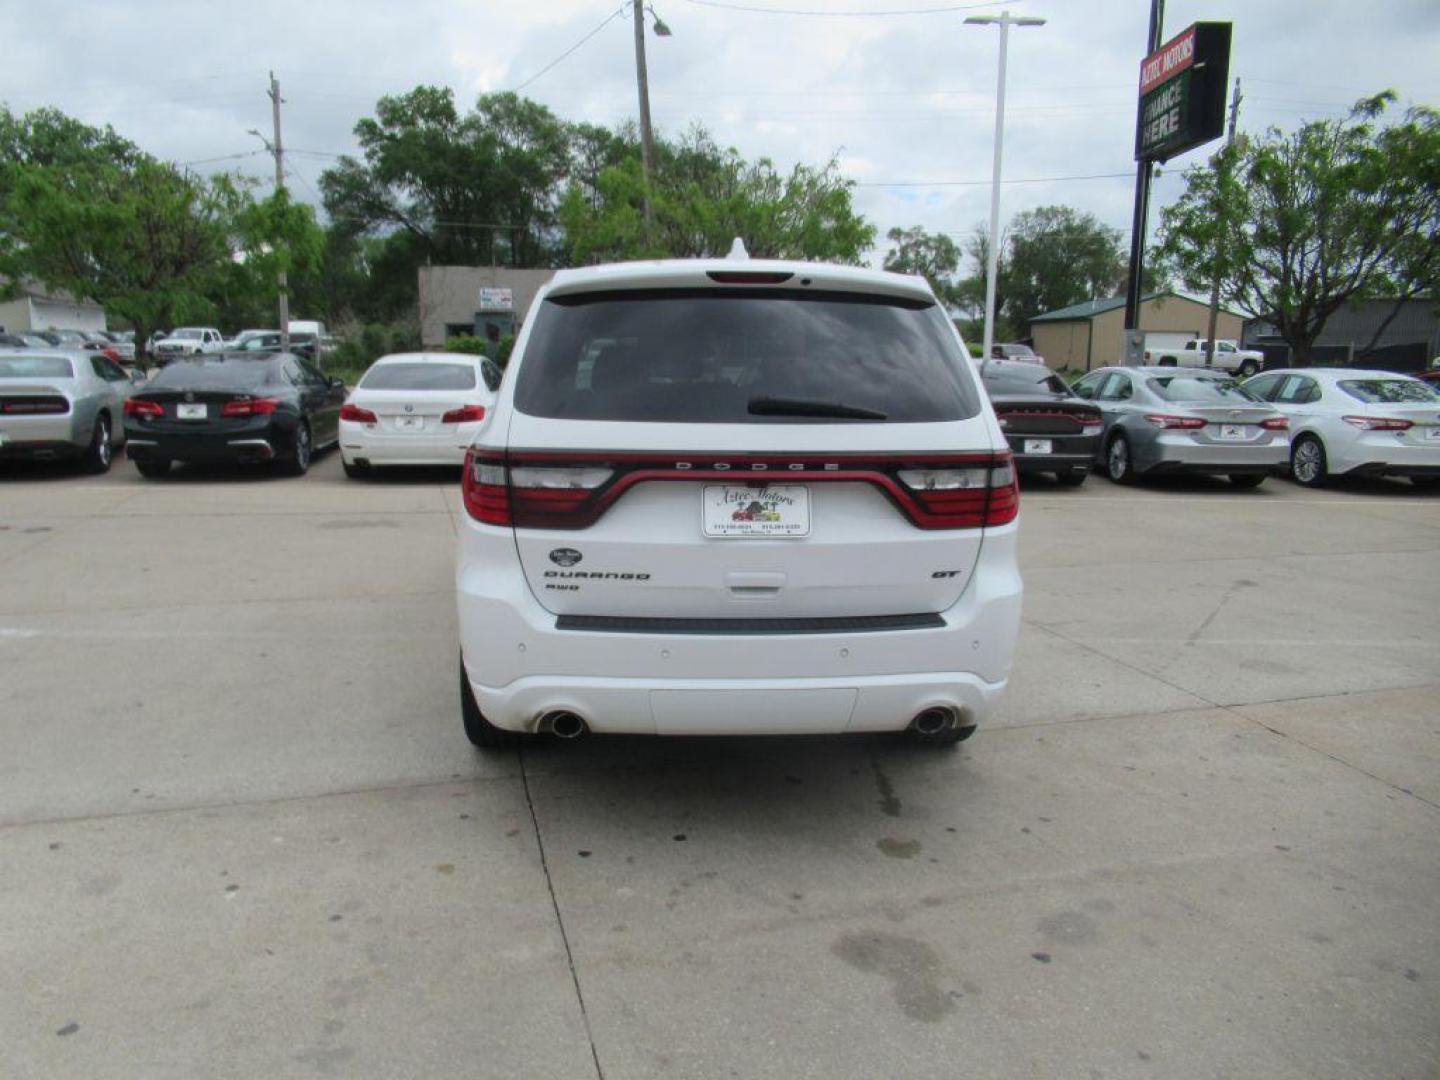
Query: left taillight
[[257, 406], [356, 415], [145, 410], [1165, 420], [485, 489], [467, 415]]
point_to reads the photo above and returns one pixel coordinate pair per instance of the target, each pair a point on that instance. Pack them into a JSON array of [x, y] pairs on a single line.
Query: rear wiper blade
[[776, 406]]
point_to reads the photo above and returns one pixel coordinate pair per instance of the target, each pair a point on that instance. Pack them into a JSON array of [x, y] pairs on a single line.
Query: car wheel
[[1247, 480], [478, 730], [1307, 461], [1118, 464], [354, 470], [1248, 368], [1073, 477], [153, 469], [97, 454], [297, 461]]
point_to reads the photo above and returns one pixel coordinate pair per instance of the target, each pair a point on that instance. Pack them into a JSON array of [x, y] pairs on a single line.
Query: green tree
[[933, 256], [702, 197], [1298, 225], [1058, 256]]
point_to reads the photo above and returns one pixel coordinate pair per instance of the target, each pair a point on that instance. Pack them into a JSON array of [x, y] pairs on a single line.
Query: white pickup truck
[[189, 341], [1167, 350]]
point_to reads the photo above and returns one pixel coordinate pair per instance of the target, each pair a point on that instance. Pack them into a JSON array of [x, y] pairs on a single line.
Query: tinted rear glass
[[35, 367], [1390, 391], [419, 377], [1021, 379], [705, 355], [182, 375], [1191, 388]]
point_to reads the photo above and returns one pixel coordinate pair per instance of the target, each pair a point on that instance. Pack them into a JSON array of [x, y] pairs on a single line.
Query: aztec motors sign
[[1182, 92]]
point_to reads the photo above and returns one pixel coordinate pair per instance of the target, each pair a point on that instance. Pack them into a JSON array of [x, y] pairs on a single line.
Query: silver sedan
[[1162, 420], [61, 404]]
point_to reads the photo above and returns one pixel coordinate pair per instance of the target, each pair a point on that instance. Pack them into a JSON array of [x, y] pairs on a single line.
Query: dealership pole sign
[[1182, 92]]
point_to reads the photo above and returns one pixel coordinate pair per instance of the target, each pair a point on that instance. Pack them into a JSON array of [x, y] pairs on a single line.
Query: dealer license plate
[[409, 423], [1431, 433], [734, 511], [191, 410], [1233, 432], [1038, 446]]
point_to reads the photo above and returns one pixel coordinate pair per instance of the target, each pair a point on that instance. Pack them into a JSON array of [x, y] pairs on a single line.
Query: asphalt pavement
[[242, 834]]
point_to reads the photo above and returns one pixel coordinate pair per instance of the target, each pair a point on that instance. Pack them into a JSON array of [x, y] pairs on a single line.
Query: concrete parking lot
[[241, 832]]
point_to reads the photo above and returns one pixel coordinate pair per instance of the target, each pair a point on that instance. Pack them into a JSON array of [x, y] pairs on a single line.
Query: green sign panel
[[1182, 92]]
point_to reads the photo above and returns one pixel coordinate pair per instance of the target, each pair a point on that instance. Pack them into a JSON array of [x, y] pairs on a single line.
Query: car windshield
[[742, 356], [183, 375], [1199, 388], [35, 367], [187, 334], [418, 376], [1390, 391], [1021, 379]]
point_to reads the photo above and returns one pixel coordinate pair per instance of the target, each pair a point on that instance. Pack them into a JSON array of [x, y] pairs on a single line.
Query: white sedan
[[416, 409], [1347, 422]]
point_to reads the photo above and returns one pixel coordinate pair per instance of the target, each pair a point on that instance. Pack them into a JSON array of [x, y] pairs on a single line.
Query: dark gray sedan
[[60, 404], [1162, 420]]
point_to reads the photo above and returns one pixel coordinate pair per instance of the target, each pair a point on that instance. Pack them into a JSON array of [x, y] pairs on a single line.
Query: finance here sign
[[1182, 92]]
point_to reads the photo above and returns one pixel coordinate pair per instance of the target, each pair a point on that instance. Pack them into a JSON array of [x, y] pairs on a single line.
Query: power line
[[223, 157], [606, 22], [843, 14]]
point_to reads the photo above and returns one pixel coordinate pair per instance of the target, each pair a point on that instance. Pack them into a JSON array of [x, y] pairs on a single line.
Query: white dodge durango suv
[[725, 496]]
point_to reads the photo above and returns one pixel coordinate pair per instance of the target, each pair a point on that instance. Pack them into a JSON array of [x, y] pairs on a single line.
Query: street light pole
[[1004, 20], [642, 80]]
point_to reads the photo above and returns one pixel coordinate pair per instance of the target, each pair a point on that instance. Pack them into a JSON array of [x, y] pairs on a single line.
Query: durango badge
[[565, 556]]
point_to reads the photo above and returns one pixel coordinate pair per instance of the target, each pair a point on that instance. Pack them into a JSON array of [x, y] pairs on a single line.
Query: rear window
[[239, 374], [35, 367], [1021, 379], [1190, 388], [742, 356], [1390, 391], [419, 377]]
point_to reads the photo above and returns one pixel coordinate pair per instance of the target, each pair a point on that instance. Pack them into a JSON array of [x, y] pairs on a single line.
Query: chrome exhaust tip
[[932, 721], [563, 725]]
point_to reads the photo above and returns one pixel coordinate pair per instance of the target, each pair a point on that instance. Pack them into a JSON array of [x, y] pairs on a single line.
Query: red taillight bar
[[467, 415], [1276, 423], [1379, 423], [250, 406], [142, 408], [355, 414], [491, 496]]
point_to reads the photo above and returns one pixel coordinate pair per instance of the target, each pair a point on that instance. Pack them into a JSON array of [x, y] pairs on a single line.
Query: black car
[[1049, 429], [271, 407]]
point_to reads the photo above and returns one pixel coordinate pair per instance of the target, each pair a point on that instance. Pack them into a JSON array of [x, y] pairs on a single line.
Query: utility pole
[[1224, 175], [1004, 20], [1143, 172], [278, 149], [647, 137]]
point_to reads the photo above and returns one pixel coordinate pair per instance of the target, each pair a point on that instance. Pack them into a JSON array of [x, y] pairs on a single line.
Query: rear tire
[[480, 731], [1072, 477], [96, 458], [1119, 466], [354, 470], [1248, 368], [1307, 462], [296, 461], [153, 470], [1247, 480]]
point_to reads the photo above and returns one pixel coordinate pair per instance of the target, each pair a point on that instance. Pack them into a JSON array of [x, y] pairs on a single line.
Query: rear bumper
[[361, 442], [43, 435], [1180, 454], [232, 446], [521, 665], [1379, 453]]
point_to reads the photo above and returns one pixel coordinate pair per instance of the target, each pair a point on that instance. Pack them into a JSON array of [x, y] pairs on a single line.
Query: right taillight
[[357, 415], [1378, 423], [1275, 423], [147, 410], [967, 496]]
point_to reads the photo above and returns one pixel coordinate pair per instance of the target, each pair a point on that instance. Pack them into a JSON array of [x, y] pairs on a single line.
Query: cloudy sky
[[906, 100]]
